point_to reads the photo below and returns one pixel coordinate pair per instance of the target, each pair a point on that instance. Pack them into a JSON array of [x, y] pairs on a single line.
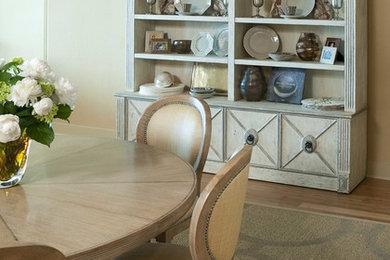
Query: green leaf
[[25, 112], [63, 112], [15, 79], [10, 108], [5, 76], [41, 132], [26, 122], [8, 65]]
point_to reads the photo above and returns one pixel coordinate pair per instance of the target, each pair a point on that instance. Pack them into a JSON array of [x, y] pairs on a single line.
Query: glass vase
[[309, 47], [252, 85], [13, 161]]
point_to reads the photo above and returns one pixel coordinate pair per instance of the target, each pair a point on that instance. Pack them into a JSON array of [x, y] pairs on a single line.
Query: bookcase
[[338, 160]]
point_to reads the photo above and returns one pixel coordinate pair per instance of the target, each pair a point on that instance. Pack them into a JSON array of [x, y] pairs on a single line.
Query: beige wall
[[379, 89], [84, 40]]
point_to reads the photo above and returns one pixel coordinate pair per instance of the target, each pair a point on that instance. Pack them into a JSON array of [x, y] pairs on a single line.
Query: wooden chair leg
[[168, 235]]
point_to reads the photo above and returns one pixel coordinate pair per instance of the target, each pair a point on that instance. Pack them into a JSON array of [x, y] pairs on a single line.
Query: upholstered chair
[[19, 251], [216, 219], [179, 124]]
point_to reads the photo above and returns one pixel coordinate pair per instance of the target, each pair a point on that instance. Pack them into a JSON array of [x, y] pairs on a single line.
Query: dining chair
[[22, 251], [216, 220], [180, 124]]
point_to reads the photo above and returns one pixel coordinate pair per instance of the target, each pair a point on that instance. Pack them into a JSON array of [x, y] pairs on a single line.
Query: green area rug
[[277, 233]]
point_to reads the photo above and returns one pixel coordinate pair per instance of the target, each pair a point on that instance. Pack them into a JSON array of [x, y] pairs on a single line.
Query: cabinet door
[[216, 142], [309, 144], [266, 125], [135, 110]]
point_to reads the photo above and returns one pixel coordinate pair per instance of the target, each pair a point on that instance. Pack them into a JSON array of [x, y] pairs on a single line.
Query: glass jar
[[309, 47]]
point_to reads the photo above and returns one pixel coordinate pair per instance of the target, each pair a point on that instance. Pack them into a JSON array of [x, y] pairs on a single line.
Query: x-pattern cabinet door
[[265, 153], [216, 142], [135, 111], [309, 144]]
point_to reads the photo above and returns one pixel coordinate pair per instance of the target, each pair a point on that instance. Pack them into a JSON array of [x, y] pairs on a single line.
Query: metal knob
[[309, 144], [251, 137]]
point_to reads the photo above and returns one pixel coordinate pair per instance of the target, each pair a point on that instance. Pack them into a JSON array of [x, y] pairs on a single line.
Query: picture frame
[[210, 75], [149, 35], [160, 45], [328, 55], [333, 42], [286, 85]]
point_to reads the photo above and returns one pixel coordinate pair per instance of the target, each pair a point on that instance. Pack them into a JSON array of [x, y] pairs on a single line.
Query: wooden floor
[[370, 200]]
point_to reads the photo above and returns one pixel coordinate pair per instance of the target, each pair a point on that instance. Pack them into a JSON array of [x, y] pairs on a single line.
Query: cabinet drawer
[[135, 110], [216, 142], [265, 153], [309, 144]]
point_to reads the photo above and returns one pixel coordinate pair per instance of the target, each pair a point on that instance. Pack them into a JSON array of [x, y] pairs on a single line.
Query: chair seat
[[157, 251]]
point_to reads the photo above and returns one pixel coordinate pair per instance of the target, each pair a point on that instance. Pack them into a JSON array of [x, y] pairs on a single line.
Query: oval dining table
[[95, 198]]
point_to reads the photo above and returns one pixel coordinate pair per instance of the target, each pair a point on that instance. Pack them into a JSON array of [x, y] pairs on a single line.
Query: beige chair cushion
[[157, 251]]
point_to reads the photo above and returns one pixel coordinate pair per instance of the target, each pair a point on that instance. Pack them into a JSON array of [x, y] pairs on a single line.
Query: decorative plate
[[149, 89], [221, 41], [285, 16], [261, 40], [324, 103], [197, 6], [304, 7], [202, 44]]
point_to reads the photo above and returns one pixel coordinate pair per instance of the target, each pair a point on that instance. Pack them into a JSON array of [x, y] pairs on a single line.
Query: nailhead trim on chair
[[211, 211]]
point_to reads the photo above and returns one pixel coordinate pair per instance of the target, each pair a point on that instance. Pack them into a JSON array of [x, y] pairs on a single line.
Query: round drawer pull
[[251, 137], [309, 144]]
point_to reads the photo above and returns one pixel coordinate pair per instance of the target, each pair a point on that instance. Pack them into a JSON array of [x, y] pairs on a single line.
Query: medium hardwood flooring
[[370, 200]]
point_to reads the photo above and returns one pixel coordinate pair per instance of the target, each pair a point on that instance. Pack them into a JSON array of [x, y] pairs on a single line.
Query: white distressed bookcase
[[339, 160]]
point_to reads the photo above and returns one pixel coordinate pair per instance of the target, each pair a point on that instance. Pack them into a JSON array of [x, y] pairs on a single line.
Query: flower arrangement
[[31, 96]]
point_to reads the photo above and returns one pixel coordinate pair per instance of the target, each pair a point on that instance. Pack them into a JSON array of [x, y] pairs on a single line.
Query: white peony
[[65, 92], [38, 69], [43, 107], [25, 91], [2, 62], [9, 128]]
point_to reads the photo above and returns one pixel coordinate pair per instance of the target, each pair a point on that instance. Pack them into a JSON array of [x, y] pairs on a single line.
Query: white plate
[[149, 89], [202, 44], [285, 16], [201, 96], [197, 6], [261, 40], [304, 7], [221, 40]]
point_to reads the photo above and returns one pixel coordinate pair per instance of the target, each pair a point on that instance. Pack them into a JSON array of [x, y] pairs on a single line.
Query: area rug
[[279, 233]]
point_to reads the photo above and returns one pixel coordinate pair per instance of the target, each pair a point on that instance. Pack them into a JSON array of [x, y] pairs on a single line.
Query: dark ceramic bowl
[[181, 46]]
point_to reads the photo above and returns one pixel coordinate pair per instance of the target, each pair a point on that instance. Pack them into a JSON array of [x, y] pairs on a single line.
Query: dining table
[[95, 198]]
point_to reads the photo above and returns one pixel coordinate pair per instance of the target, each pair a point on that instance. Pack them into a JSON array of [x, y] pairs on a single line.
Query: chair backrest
[[216, 219], [19, 251], [179, 124]]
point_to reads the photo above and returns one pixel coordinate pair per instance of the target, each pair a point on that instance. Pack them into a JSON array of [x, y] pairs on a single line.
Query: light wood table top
[[95, 198]]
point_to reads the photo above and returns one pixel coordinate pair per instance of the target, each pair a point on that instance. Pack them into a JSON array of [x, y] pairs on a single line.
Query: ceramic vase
[[253, 85], [309, 47], [13, 161]]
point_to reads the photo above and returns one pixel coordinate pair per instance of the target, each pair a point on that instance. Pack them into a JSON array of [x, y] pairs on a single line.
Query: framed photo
[[149, 35], [333, 42], [286, 85], [160, 45], [328, 55]]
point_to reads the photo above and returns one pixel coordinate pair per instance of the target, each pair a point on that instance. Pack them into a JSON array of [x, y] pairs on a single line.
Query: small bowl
[[200, 90], [181, 46], [282, 56]]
